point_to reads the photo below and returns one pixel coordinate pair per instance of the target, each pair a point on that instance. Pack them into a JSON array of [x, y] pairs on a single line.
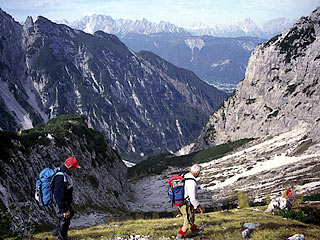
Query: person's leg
[[184, 229], [194, 230], [56, 231], [65, 223], [191, 215]]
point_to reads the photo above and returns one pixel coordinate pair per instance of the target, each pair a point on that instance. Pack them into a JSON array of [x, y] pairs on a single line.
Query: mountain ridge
[[121, 27], [220, 61], [279, 92], [66, 71]]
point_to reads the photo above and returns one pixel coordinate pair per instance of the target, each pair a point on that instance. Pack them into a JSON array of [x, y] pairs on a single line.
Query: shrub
[[257, 204], [93, 180], [6, 144], [313, 214], [313, 197], [268, 199], [293, 214], [5, 223], [243, 199]]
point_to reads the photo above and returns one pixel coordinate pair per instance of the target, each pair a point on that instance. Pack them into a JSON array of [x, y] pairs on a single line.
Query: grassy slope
[[217, 225], [157, 164]]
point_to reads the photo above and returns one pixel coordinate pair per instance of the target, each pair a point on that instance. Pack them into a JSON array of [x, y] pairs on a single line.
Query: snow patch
[[193, 43], [220, 63], [276, 162], [184, 150], [250, 46], [136, 99], [50, 136], [178, 126], [128, 164]]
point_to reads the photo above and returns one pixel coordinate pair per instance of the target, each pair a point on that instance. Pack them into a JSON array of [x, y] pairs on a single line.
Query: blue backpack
[[176, 189], [44, 194]]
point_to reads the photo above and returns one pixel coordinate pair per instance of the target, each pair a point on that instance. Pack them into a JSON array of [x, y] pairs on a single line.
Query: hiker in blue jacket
[[191, 204], [62, 187]]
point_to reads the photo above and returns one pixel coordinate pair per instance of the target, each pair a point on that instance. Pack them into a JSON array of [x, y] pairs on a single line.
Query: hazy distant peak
[[120, 27], [198, 25], [96, 22]]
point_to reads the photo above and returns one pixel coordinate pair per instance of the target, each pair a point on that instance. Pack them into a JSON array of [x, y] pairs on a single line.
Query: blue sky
[[180, 12]]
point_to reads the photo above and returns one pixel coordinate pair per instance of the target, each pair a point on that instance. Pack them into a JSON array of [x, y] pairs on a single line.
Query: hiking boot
[[196, 232], [60, 237], [179, 236]]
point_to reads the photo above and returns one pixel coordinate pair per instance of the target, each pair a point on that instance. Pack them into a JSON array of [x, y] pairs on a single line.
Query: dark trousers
[[63, 223]]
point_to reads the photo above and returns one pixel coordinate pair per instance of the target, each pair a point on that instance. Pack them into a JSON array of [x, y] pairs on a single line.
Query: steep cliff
[[16, 108], [280, 91], [101, 183], [143, 109]]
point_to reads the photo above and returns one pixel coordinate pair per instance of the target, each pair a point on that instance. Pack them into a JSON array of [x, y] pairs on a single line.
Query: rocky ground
[[264, 166]]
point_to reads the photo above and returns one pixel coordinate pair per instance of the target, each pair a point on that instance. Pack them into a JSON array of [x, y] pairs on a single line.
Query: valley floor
[[265, 166]]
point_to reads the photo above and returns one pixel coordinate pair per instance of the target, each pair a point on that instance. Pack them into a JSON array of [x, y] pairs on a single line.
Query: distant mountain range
[[218, 55], [218, 61], [121, 27], [245, 28]]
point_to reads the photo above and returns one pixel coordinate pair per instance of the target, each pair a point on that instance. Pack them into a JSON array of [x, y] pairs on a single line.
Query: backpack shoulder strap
[[58, 173], [190, 179]]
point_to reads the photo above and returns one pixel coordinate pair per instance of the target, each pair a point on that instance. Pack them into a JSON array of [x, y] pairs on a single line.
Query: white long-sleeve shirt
[[190, 190]]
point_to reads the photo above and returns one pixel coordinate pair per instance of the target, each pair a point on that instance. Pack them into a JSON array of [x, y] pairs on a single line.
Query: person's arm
[[200, 208]]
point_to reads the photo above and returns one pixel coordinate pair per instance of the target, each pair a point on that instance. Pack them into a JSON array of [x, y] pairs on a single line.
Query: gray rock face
[[141, 103], [14, 104], [279, 93], [99, 185]]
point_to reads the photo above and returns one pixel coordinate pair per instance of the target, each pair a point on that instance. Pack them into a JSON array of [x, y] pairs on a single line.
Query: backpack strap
[[190, 179], [182, 175], [58, 173]]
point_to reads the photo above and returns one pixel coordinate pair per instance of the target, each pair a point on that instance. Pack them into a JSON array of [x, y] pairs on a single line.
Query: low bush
[[293, 214], [313, 197], [243, 199], [313, 214]]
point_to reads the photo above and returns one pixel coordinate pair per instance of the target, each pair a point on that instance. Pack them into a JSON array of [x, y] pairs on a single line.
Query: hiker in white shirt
[[191, 204]]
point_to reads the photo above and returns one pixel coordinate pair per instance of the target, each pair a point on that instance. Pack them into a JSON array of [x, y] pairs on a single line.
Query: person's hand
[[66, 214], [201, 209]]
